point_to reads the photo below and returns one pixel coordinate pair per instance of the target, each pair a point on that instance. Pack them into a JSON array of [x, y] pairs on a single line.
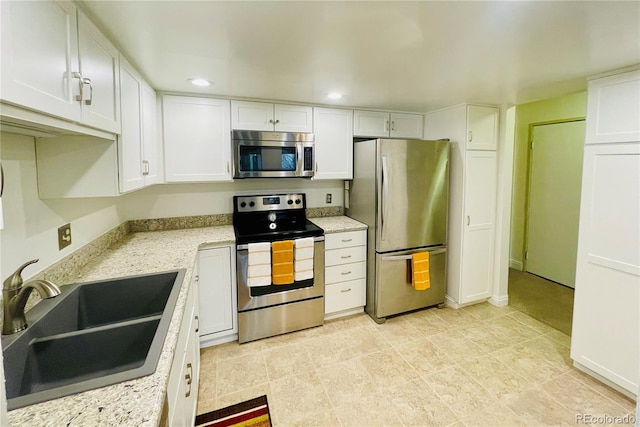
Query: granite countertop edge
[[139, 402]]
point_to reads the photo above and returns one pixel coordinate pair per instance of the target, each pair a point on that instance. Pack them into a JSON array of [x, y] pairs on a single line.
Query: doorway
[[553, 204]]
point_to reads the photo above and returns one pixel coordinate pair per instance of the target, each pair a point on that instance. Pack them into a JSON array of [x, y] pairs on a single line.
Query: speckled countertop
[[139, 402], [338, 224]]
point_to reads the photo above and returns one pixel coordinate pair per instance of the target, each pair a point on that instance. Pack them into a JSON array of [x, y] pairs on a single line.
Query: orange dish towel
[[420, 267], [282, 262]]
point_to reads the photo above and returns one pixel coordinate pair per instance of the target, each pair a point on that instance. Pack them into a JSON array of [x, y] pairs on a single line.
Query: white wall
[[31, 224], [171, 200]]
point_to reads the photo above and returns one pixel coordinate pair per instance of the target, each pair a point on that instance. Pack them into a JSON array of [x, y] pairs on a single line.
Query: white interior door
[[554, 201]]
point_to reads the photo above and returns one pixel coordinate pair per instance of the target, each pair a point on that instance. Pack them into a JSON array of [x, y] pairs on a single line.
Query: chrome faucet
[[15, 295]]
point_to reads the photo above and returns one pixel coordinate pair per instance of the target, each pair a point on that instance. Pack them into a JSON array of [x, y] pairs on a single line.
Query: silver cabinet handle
[[468, 220], [188, 378], [1, 180], [386, 126], [78, 76], [346, 257], [197, 324], [145, 170], [346, 240], [470, 135], [228, 167], [345, 290], [344, 273], [87, 81]]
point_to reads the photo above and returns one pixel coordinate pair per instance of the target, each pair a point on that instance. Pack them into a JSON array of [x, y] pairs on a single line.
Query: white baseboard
[[451, 302], [499, 301], [344, 313], [209, 342], [518, 265], [606, 381]]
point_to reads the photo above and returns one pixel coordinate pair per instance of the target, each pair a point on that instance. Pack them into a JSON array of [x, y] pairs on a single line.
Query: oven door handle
[[245, 247]]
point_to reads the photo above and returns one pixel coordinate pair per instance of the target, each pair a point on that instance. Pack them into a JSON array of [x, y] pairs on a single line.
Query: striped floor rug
[[252, 413]]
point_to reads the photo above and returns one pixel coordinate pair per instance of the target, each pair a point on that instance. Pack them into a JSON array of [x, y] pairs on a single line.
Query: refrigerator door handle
[[404, 257], [385, 189]]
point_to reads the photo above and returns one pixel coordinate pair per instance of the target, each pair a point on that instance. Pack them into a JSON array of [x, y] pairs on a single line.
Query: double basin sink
[[92, 335]]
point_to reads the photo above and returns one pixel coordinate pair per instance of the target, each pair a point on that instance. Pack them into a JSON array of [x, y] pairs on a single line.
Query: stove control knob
[[272, 226], [243, 204], [298, 201], [252, 204], [289, 202], [272, 216]]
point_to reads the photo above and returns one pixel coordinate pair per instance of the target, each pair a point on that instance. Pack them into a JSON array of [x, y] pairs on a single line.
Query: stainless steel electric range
[[273, 309]]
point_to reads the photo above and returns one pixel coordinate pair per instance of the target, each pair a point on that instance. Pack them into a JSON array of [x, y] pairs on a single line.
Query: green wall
[[564, 107]]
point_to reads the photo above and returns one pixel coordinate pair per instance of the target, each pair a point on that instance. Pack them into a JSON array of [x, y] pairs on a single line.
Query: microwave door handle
[[299, 160]]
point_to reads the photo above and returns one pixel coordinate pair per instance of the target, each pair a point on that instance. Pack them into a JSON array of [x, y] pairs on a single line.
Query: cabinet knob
[[277, 121], [470, 135]]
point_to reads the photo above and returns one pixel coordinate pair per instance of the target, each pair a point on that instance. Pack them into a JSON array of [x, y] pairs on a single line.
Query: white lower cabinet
[[218, 295], [182, 390], [345, 273]]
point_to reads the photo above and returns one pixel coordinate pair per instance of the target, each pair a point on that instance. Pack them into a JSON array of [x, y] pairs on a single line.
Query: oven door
[[259, 297], [266, 159]]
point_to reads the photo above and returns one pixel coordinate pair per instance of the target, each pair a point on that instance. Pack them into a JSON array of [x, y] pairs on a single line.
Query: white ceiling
[[411, 56]]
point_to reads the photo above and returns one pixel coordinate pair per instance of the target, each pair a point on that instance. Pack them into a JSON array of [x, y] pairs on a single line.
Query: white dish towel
[[303, 259], [259, 264]]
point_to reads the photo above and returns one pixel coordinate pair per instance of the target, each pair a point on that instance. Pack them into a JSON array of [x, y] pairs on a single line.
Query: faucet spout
[[14, 298]]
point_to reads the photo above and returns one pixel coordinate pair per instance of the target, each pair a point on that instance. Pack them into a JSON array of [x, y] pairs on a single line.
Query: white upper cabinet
[[271, 117], [613, 109], [55, 61], [197, 139], [383, 125], [482, 127], [138, 143], [333, 129]]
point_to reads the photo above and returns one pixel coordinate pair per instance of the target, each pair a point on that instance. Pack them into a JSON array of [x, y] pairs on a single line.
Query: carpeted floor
[[546, 301]]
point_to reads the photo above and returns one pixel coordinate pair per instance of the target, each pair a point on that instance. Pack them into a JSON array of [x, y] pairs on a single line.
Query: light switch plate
[[64, 236]]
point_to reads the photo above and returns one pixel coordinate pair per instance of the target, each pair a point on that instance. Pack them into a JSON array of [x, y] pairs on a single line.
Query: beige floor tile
[[496, 415], [536, 408], [428, 325], [388, 369], [205, 405], [532, 366], [418, 405], [291, 359], [559, 338], [554, 353], [346, 382], [424, 357], [507, 326], [355, 321], [295, 397], [365, 340], [531, 322], [282, 340], [462, 394], [604, 389], [239, 373], [399, 330], [573, 395], [314, 419], [244, 395], [457, 317], [485, 311], [233, 349], [370, 410], [329, 349], [484, 335], [497, 378], [208, 355], [457, 347]]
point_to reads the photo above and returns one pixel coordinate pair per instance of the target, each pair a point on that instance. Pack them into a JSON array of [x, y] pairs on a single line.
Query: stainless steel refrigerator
[[400, 190]]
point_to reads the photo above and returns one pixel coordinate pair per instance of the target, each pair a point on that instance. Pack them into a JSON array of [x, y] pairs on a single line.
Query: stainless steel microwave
[[272, 154]]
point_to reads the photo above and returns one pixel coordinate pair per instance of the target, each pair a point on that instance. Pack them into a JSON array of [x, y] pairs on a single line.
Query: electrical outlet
[[328, 198], [64, 236]]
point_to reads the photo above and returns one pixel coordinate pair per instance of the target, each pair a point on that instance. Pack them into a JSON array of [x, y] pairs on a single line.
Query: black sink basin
[[94, 334]]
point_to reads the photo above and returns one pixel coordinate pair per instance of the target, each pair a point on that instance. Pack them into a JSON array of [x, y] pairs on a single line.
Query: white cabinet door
[[197, 139], [370, 123], [293, 118], [130, 139], [482, 127], [333, 129], [408, 126], [479, 226], [99, 66], [613, 109], [151, 147], [39, 56], [251, 115], [216, 292]]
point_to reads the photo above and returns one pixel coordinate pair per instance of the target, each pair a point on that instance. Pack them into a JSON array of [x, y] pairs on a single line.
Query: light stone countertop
[[137, 402], [338, 224]]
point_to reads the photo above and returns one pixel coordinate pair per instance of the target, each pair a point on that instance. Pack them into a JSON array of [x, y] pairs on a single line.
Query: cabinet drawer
[[345, 240], [344, 272], [345, 255], [344, 296]]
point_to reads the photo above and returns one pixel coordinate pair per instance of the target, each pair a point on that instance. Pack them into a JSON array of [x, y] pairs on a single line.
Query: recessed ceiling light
[[200, 82], [334, 95]]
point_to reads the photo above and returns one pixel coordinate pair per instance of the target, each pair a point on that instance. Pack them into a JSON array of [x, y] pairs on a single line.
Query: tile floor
[[476, 366]]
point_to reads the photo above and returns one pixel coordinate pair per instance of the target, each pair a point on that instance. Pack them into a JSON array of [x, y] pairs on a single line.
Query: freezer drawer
[[394, 294]]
